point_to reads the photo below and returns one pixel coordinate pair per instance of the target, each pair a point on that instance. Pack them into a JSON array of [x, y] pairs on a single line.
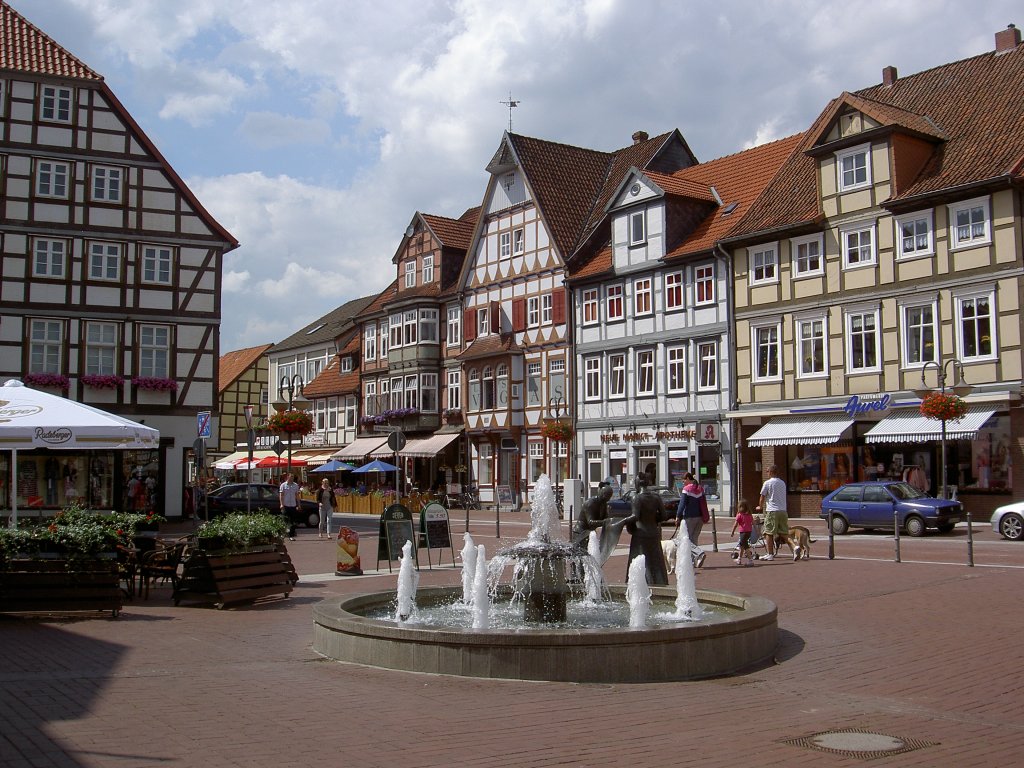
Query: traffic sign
[[396, 441], [203, 423], [278, 447]]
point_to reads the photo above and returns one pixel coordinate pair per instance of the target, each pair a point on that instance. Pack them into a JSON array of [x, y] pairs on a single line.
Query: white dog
[[668, 548]]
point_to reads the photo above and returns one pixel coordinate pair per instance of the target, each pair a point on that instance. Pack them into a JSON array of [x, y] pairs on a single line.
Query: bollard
[[831, 538], [896, 529], [970, 541]]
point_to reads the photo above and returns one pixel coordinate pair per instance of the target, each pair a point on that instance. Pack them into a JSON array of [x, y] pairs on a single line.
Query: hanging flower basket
[[943, 407], [560, 431], [55, 380], [291, 422], [155, 383], [102, 382]]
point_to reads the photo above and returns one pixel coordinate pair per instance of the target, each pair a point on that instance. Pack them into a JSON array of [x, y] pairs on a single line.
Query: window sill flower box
[[155, 384], [102, 382], [48, 380]]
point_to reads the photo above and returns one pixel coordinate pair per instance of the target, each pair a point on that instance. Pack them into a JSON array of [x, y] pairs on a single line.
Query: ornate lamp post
[[557, 408], [960, 388], [290, 398]]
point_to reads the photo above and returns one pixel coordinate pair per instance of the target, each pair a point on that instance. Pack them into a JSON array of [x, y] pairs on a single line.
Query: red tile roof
[[453, 233], [234, 364], [977, 103], [490, 346], [681, 187], [25, 48], [332, 382]]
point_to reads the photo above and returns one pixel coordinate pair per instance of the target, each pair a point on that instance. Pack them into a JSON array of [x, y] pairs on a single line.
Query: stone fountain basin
[[723, 644]]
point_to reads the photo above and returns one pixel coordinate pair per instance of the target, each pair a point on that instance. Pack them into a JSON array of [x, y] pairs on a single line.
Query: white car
[[1008, 521]]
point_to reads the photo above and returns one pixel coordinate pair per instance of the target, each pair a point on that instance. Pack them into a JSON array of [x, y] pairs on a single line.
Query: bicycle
[[471, 498]]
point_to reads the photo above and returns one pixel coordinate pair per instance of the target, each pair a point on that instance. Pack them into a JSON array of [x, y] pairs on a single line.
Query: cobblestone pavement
[[925, 651]]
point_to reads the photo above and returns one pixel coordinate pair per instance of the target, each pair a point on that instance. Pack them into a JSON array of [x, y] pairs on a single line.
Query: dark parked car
[[232, 498], [874, 505], [623, 507]]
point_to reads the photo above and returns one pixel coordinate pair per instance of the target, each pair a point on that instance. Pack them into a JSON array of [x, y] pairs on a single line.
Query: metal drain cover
[[852, 742]]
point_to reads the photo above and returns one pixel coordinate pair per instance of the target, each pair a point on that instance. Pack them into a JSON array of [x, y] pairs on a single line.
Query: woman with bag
[[693, 508], [328, 503]]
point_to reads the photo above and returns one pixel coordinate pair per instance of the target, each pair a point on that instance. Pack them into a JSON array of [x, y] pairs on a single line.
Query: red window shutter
[[518, 315], [558, 306], [469, 325], [495, 324]]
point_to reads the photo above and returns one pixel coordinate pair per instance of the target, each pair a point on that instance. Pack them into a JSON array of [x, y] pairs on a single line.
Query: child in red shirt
[[745, 524]]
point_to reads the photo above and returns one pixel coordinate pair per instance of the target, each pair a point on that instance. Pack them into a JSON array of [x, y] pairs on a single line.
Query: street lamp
[[292, 388], [960, 388], [557, 407]]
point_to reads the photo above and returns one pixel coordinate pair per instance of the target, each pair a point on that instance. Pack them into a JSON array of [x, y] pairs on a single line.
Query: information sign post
[[435, 531], [395, 529]]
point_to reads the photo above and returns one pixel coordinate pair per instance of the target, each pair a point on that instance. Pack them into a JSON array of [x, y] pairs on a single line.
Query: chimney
[[640, 136], [1007, 39], [889, 76]]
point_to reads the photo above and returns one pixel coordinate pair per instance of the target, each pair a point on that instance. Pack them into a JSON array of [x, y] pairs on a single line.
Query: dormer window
[[346, 364], [637, 228], [428, 269], [410, 274], [853, 168]]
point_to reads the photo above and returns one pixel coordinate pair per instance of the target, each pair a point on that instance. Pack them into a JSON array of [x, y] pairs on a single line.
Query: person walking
[[772, 505], [328, 503], [745, 523], [692, 506], [288, 495]]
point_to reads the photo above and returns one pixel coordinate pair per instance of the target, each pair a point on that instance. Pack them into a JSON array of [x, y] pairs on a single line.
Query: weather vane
[[510, 104]]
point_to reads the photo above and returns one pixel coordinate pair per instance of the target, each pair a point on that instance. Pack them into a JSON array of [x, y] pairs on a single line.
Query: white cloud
[[267, 130]]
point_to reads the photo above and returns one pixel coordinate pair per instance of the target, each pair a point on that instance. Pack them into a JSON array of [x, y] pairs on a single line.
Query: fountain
[[553, 619]]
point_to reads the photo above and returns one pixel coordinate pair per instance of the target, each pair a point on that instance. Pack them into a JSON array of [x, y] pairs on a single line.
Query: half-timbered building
[[111, 275]]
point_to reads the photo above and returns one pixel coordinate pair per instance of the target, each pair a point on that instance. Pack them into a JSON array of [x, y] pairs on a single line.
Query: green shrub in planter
[[240, 530]]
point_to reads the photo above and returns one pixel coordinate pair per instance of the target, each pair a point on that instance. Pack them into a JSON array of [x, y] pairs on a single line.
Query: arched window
[[488, 389], [501, 386], [474, 389]]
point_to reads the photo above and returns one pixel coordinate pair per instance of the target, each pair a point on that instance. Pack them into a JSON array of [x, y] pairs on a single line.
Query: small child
[[745, 523]]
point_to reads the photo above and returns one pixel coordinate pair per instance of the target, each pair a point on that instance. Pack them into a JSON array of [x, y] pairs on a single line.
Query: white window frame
[[847, 233], [545, 309], [49, 257], [983, 237], [802, 262], [428, 392], [534, 375], [410, 327], [53, 179], [154, 355], [428, 269], [395, 330], [518, 241], [370, 401], [591, 306], [412, 392], [100, 348], [382, 339], [908, 331], [616, 375], [454, 391], [396, 393], [914, 219], [764, 264], [637, 223], [483, 321], [707, 363], [533, 311], [644, 369], [804, 371], [851, 315], [615, 302], [104, 261], [454, 326], [768, 336], [46, 345], [106, 184], [428, 326], [704, 284], [674, 298], [55, 103], [157, 261], [643, 296], [961, 319], [370, 341], [345, 366], [675, 369], [504, 245], [851, 153], [410, 273], [592, 378]]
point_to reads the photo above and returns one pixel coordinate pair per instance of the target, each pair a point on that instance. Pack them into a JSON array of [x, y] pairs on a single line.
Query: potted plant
[[943, 407], [99, 381], [50, 380], [560, 431], [155, 383], [291, 422], [240, 531]]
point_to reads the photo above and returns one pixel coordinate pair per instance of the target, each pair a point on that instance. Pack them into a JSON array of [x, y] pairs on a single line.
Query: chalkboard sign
[[505, 498], [434, 524], [395, 529]]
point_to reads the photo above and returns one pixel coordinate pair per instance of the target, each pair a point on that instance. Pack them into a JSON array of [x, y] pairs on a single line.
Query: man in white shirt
[[288, 495], [772, 505]]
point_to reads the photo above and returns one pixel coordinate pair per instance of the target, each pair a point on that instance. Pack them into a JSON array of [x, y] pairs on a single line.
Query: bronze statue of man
[[644, 527], [594, 517]]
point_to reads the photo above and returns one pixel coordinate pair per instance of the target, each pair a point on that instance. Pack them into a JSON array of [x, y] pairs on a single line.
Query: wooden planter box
[[361, 505], [224, 577], [56, 584]]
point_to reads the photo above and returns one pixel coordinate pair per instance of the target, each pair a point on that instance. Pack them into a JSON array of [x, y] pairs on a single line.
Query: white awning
[[382, 451], [360, 447], [910, 426], [232, 460], [809, 429], [426, 447], [313, 459]]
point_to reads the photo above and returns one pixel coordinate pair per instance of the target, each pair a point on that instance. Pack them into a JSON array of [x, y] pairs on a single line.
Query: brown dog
[[800, 540]]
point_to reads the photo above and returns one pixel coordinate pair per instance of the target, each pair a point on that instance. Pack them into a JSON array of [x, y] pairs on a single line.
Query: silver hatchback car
[[1008, 521]]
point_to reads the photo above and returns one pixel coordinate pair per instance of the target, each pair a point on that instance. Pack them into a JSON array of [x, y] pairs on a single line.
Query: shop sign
[[646, 437], [709, 432], [855, 406]]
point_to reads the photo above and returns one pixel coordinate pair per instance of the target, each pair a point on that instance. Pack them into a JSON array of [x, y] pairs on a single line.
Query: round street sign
[[396, 441]]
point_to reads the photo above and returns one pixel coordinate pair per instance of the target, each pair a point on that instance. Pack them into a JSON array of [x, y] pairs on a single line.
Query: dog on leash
[[800, 540], [668, 548]]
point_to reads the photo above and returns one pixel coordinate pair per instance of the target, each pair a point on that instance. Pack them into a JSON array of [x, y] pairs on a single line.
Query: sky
[[314, 130]]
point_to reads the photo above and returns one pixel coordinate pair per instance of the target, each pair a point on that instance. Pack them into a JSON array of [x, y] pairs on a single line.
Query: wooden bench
[[226, 577]]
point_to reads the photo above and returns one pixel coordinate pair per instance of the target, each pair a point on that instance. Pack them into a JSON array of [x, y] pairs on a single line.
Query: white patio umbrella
[[33, 419]]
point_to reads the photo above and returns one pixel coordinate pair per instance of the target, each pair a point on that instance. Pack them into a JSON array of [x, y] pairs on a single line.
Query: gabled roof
[[234, 364], [326, 328], [332, 382], [888, 116], [490, 346], [976, 103], [452, 233], [25, 48]]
